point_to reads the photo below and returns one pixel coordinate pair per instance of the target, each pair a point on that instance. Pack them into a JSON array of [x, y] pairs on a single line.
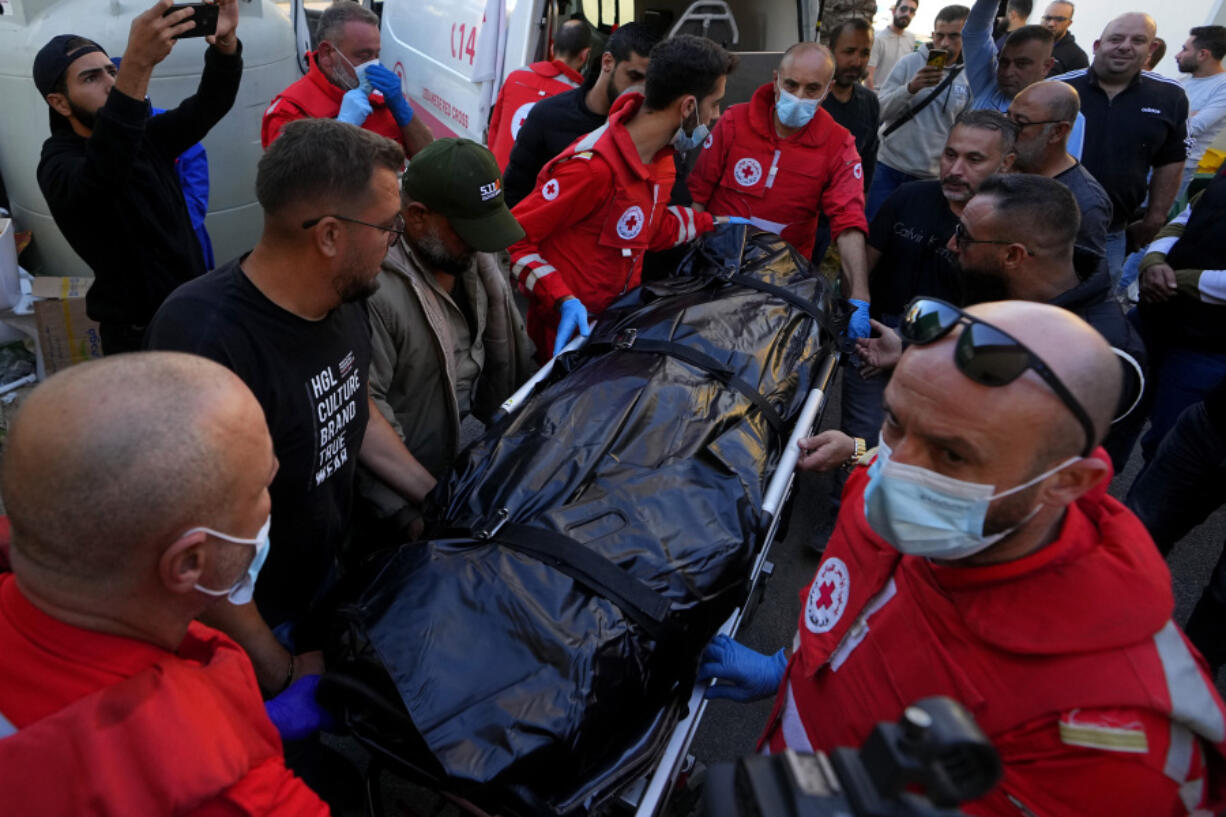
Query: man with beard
[[1201, 59], [447, 339], [346, 82], [1023, 59], [1067, 55], [907, 247], [1136, 124], [287, 318], [852, 105], [1044, 114], [108, 170], [892, 43], [1015, 240], [554, 123], [780, 161], [978, 555]]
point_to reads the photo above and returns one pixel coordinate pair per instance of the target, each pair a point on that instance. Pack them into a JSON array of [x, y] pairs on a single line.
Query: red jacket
[[185, 733], [745, 169], [523, 89], [1067, 658], [595, 210], [314, 97]]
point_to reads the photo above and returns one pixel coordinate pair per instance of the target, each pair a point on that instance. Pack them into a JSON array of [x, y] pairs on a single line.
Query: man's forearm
[[854, 258], [1163, 186], [384, 453], [245, 625], [416, 136]]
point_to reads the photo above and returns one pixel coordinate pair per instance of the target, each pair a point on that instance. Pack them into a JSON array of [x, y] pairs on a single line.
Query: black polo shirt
[[1143, 127]]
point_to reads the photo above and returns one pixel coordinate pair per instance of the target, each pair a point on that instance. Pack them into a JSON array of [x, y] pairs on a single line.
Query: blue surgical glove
[[355, 107], [387, 83], [296, 713], [750, 675], [574, 318], [736, 220], [858, 326]]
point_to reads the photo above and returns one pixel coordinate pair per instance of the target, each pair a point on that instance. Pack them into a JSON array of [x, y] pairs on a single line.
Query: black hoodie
[[116, 197], [1068, 56]]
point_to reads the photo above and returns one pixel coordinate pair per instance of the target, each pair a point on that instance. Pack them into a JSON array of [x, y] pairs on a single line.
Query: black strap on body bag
[[911, 114]]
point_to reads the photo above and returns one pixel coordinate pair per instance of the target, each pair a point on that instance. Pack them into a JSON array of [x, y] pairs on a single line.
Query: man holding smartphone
[[108, 169]]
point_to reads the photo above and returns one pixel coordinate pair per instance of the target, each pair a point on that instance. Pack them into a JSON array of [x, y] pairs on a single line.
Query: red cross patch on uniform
[[631, 222], [827, 596], [748, 172]]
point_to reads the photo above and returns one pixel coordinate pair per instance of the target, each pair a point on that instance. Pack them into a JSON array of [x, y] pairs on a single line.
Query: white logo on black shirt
[[335, 408]]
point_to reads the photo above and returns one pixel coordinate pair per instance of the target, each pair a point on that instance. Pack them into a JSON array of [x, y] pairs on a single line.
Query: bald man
[[137, 490], [1044, 114], [781, 161], [1136, 125], [977, 555]]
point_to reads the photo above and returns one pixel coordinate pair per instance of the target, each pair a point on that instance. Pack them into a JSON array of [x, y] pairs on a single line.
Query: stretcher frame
[[646, 794]]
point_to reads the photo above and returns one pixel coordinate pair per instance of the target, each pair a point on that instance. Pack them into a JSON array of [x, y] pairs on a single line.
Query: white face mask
[[684, 142], [244, 588], [795, 112], [923, 513]]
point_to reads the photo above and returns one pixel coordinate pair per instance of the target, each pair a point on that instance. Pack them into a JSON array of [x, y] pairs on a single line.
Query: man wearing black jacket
[[108, 169]]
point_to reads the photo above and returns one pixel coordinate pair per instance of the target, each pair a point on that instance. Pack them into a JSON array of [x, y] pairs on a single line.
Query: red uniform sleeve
[[843, 198], [565, 194], [279, 114], [711, 161], [679, 225], [1096, 761]]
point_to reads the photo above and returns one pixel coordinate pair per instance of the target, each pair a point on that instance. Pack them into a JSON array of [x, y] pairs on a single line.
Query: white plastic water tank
[[269, 65]]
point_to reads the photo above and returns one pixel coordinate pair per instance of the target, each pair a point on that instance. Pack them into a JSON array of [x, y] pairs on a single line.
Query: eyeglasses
[[963, 238], [985, 354], [394, 232], [1051, 18]]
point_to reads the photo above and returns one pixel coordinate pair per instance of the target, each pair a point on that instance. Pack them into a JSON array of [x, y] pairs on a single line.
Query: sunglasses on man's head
[[987, 355]]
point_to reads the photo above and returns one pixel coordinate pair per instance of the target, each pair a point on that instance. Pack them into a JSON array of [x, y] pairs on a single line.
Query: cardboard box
[[66, 335]]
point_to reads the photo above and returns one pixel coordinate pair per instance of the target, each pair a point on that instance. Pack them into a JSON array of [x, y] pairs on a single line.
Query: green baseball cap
[[459, 178]]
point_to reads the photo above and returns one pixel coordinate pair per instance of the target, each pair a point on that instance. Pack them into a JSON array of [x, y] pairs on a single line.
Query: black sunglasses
[[985, 354]]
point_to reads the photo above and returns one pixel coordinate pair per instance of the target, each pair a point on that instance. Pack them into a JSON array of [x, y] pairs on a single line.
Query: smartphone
[[937, 57], [204, 16]]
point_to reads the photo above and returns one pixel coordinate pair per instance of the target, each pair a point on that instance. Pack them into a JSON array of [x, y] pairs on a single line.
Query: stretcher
[[634, 771], [642, 780]]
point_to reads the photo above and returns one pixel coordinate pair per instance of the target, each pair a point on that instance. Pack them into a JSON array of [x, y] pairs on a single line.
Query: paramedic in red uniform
[[603, 202], [346, 82], [781, 161], [137, 489], [979, 556], [527, 86]]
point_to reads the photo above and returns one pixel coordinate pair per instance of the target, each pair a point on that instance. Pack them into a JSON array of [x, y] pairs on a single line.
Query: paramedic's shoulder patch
[[1109, 730], [585, 155]]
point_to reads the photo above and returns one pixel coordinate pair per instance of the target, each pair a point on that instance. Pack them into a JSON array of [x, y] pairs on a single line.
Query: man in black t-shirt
[[907, 252], [554, 123], [287, 318], [1136, 127], [852, 105]]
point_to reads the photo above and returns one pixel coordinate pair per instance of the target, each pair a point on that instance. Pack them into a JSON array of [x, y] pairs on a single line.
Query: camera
[[934, 758]]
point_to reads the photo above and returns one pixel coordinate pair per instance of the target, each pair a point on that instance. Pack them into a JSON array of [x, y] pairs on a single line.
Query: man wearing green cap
[[447, 340]]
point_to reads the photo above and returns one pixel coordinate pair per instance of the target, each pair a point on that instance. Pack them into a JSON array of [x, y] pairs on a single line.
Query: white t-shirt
[[888, 48], [1206, 117]]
